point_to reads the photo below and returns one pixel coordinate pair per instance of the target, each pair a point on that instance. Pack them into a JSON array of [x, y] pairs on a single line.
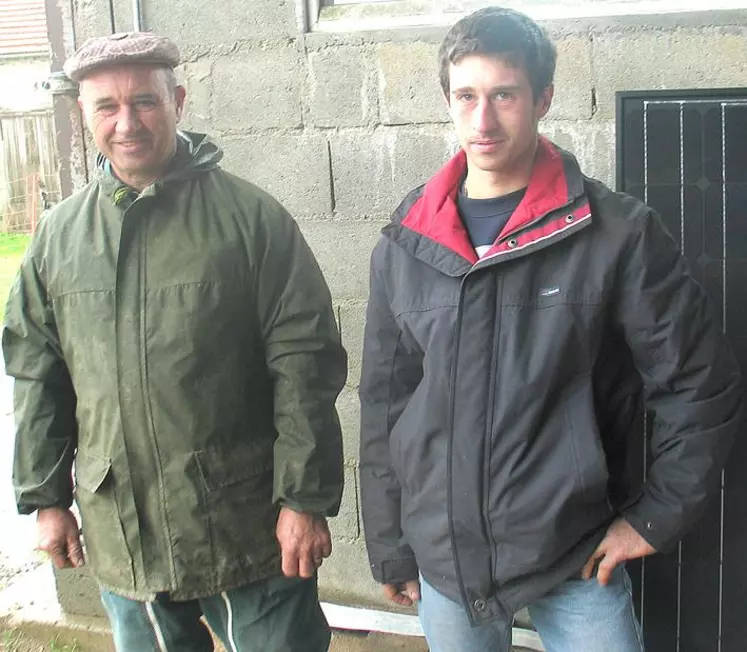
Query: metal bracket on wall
[[58, 83]]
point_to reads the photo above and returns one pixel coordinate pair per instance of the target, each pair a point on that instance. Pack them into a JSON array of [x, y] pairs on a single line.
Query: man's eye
[[465, 97], [144, 105], [107, 109]]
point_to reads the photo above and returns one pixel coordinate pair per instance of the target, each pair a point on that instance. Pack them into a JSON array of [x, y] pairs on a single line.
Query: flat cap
[[122, 48]]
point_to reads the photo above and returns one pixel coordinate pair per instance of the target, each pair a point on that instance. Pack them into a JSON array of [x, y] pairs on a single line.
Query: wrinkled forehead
[[480, 70], [125, 81]]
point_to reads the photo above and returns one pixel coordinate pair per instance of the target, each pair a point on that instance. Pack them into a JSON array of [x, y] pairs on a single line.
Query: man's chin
[[489, 163]]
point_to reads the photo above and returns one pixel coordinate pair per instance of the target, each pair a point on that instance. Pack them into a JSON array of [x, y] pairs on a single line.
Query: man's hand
[[620, 543], [304, 542], [57, 534], [403, 594]]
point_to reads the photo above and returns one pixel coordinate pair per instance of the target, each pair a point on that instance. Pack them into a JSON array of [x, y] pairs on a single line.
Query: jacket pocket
[[91, 471], [103, 534], [220, 469], [237, 493], [586, 444]]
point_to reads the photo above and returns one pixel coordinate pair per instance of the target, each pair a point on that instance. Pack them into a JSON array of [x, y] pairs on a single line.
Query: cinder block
[[91, 19], [362, 172], [78, 592], [408, 84], [345, 578], [592, 142], [667, 59], [197, 80], [573, 79], [346, 525], [261, 90], [418, 155], [373, 171], [342, 87], [349, 409], [294, 168], [353, 318], [194, 23], [343, 250]]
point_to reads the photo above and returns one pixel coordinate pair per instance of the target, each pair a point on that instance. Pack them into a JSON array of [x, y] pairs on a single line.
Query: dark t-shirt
[[484, 219]]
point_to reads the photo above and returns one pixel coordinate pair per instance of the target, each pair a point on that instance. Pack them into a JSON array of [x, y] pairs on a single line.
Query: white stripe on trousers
[[229, 623], [156, 627]]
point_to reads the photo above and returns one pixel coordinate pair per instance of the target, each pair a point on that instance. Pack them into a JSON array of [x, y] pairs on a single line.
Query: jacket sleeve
[[47, 432], [307, 364], [390, 373], [692, 384]]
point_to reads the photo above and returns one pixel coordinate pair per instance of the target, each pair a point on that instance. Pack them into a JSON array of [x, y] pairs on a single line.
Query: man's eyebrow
[[496, 89], [102, 101]]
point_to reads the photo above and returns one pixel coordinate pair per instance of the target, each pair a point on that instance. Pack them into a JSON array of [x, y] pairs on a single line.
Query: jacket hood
[[195, 154]]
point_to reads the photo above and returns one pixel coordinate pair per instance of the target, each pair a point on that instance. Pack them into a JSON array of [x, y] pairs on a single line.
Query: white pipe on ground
[[373, 620]]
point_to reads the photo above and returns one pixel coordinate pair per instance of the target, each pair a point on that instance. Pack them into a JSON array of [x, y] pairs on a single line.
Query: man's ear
[[180, 93], [544, 101]]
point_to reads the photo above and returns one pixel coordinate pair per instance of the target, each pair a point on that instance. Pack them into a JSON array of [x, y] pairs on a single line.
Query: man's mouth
[[132, 144], [486, 144]]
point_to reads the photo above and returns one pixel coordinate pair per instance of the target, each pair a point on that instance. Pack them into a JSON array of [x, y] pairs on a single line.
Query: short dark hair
[[504, 33]]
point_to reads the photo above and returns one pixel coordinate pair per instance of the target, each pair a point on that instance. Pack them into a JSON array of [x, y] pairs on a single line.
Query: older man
[[172, 337]]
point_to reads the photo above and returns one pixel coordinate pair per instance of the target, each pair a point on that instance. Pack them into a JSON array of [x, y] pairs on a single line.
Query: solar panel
[[685, 154]]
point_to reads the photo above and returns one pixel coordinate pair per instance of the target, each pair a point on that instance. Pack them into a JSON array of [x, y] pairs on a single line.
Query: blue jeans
[[275, 615], [576, 616]]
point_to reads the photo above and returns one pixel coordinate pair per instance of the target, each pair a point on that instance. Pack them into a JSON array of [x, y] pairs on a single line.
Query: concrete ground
[[31, 621]]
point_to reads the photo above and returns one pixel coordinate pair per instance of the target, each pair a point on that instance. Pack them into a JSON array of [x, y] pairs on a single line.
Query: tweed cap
[[122, 48]]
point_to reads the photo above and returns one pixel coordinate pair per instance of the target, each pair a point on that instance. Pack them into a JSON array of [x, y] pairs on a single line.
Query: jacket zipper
[[450, 444], [449, 456], [148, 408], [489, 429]]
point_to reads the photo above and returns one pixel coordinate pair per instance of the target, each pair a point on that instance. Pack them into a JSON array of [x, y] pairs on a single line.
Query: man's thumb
[[75, 551]]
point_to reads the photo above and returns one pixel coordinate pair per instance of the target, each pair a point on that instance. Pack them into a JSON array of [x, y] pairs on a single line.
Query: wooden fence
[[29, 181]]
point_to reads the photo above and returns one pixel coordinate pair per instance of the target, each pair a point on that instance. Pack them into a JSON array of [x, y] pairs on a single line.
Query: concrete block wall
[[340, 126]]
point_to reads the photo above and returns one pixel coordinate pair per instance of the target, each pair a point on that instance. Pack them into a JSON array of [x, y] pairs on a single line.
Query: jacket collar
[[556, 183], [195, 154]]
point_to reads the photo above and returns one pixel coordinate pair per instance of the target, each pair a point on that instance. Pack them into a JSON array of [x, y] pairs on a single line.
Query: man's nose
[[485, 116], [128, 121]]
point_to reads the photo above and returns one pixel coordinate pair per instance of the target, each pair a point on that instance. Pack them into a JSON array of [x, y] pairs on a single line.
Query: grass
[[55, 646], [12, 248], [15, 641]]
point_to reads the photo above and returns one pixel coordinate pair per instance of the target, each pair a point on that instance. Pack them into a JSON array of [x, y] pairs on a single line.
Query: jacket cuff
[[395, 571], [330, 512], [656, 528], [27, 508]]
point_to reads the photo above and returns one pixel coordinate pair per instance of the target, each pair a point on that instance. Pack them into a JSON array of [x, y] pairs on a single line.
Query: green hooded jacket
[[179, 349]]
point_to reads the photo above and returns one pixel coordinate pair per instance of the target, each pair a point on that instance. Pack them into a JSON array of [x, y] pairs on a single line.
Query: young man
[[172, 336], [515, 307]]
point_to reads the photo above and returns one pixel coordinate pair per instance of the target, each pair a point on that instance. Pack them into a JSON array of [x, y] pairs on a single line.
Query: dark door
[[685, 154]]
